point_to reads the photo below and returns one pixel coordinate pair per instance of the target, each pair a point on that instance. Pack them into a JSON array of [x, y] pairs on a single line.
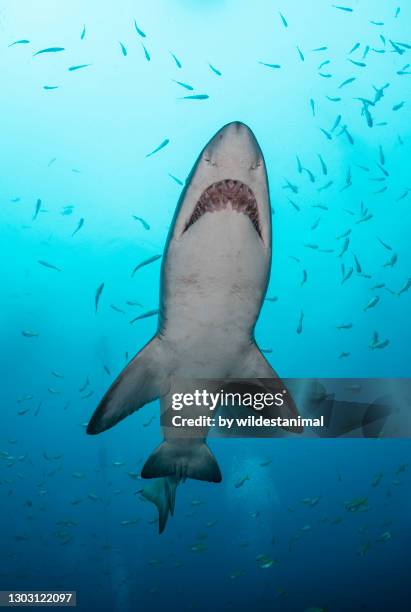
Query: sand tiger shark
[[214, 277]]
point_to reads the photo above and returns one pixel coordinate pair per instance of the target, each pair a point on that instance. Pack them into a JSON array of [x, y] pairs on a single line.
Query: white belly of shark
[[215, 273]]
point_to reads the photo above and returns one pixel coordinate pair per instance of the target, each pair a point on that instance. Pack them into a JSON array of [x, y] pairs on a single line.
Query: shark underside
[[214, 277]]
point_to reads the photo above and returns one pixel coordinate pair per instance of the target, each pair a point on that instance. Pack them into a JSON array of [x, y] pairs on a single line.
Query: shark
[[214, 277]]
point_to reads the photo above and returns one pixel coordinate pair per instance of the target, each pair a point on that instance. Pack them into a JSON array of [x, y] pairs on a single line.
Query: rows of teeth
[[219, 195]]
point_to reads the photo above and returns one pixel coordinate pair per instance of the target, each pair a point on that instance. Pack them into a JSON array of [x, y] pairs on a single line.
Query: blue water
[[81, 149]]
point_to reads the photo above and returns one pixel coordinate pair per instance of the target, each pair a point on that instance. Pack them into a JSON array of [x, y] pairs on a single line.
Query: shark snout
[[234, 146]]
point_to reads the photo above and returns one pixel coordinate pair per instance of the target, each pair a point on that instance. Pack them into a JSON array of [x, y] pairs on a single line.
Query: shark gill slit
[[219, 195]]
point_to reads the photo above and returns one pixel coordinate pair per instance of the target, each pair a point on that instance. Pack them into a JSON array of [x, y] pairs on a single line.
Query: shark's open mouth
[[222, 194]]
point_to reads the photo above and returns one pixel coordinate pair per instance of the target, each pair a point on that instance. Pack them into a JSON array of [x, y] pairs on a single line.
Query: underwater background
[[88, 90]]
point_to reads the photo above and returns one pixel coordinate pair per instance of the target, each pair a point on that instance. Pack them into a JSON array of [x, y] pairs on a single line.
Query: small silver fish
[[372, 303], [160, 146], [79, 226], [99, 291], [146, 262], [150, 313], [300, 324], [143, 223], [46, 264]]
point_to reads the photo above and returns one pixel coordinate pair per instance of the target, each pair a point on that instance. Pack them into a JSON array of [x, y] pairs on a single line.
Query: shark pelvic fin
[[162, 493], [182, 460], [257, 366], [138, 384]]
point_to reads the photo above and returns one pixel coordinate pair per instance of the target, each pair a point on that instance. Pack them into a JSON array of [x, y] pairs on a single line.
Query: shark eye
[[207, 159], [256, 165]]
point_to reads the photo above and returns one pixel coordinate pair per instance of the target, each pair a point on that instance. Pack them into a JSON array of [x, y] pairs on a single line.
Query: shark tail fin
[[162, 493], [188, 460]]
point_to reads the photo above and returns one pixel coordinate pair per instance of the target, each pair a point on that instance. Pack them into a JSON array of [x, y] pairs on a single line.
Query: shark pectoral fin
[[256, 366], [162, 493], [138, 384], [183, 460]]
